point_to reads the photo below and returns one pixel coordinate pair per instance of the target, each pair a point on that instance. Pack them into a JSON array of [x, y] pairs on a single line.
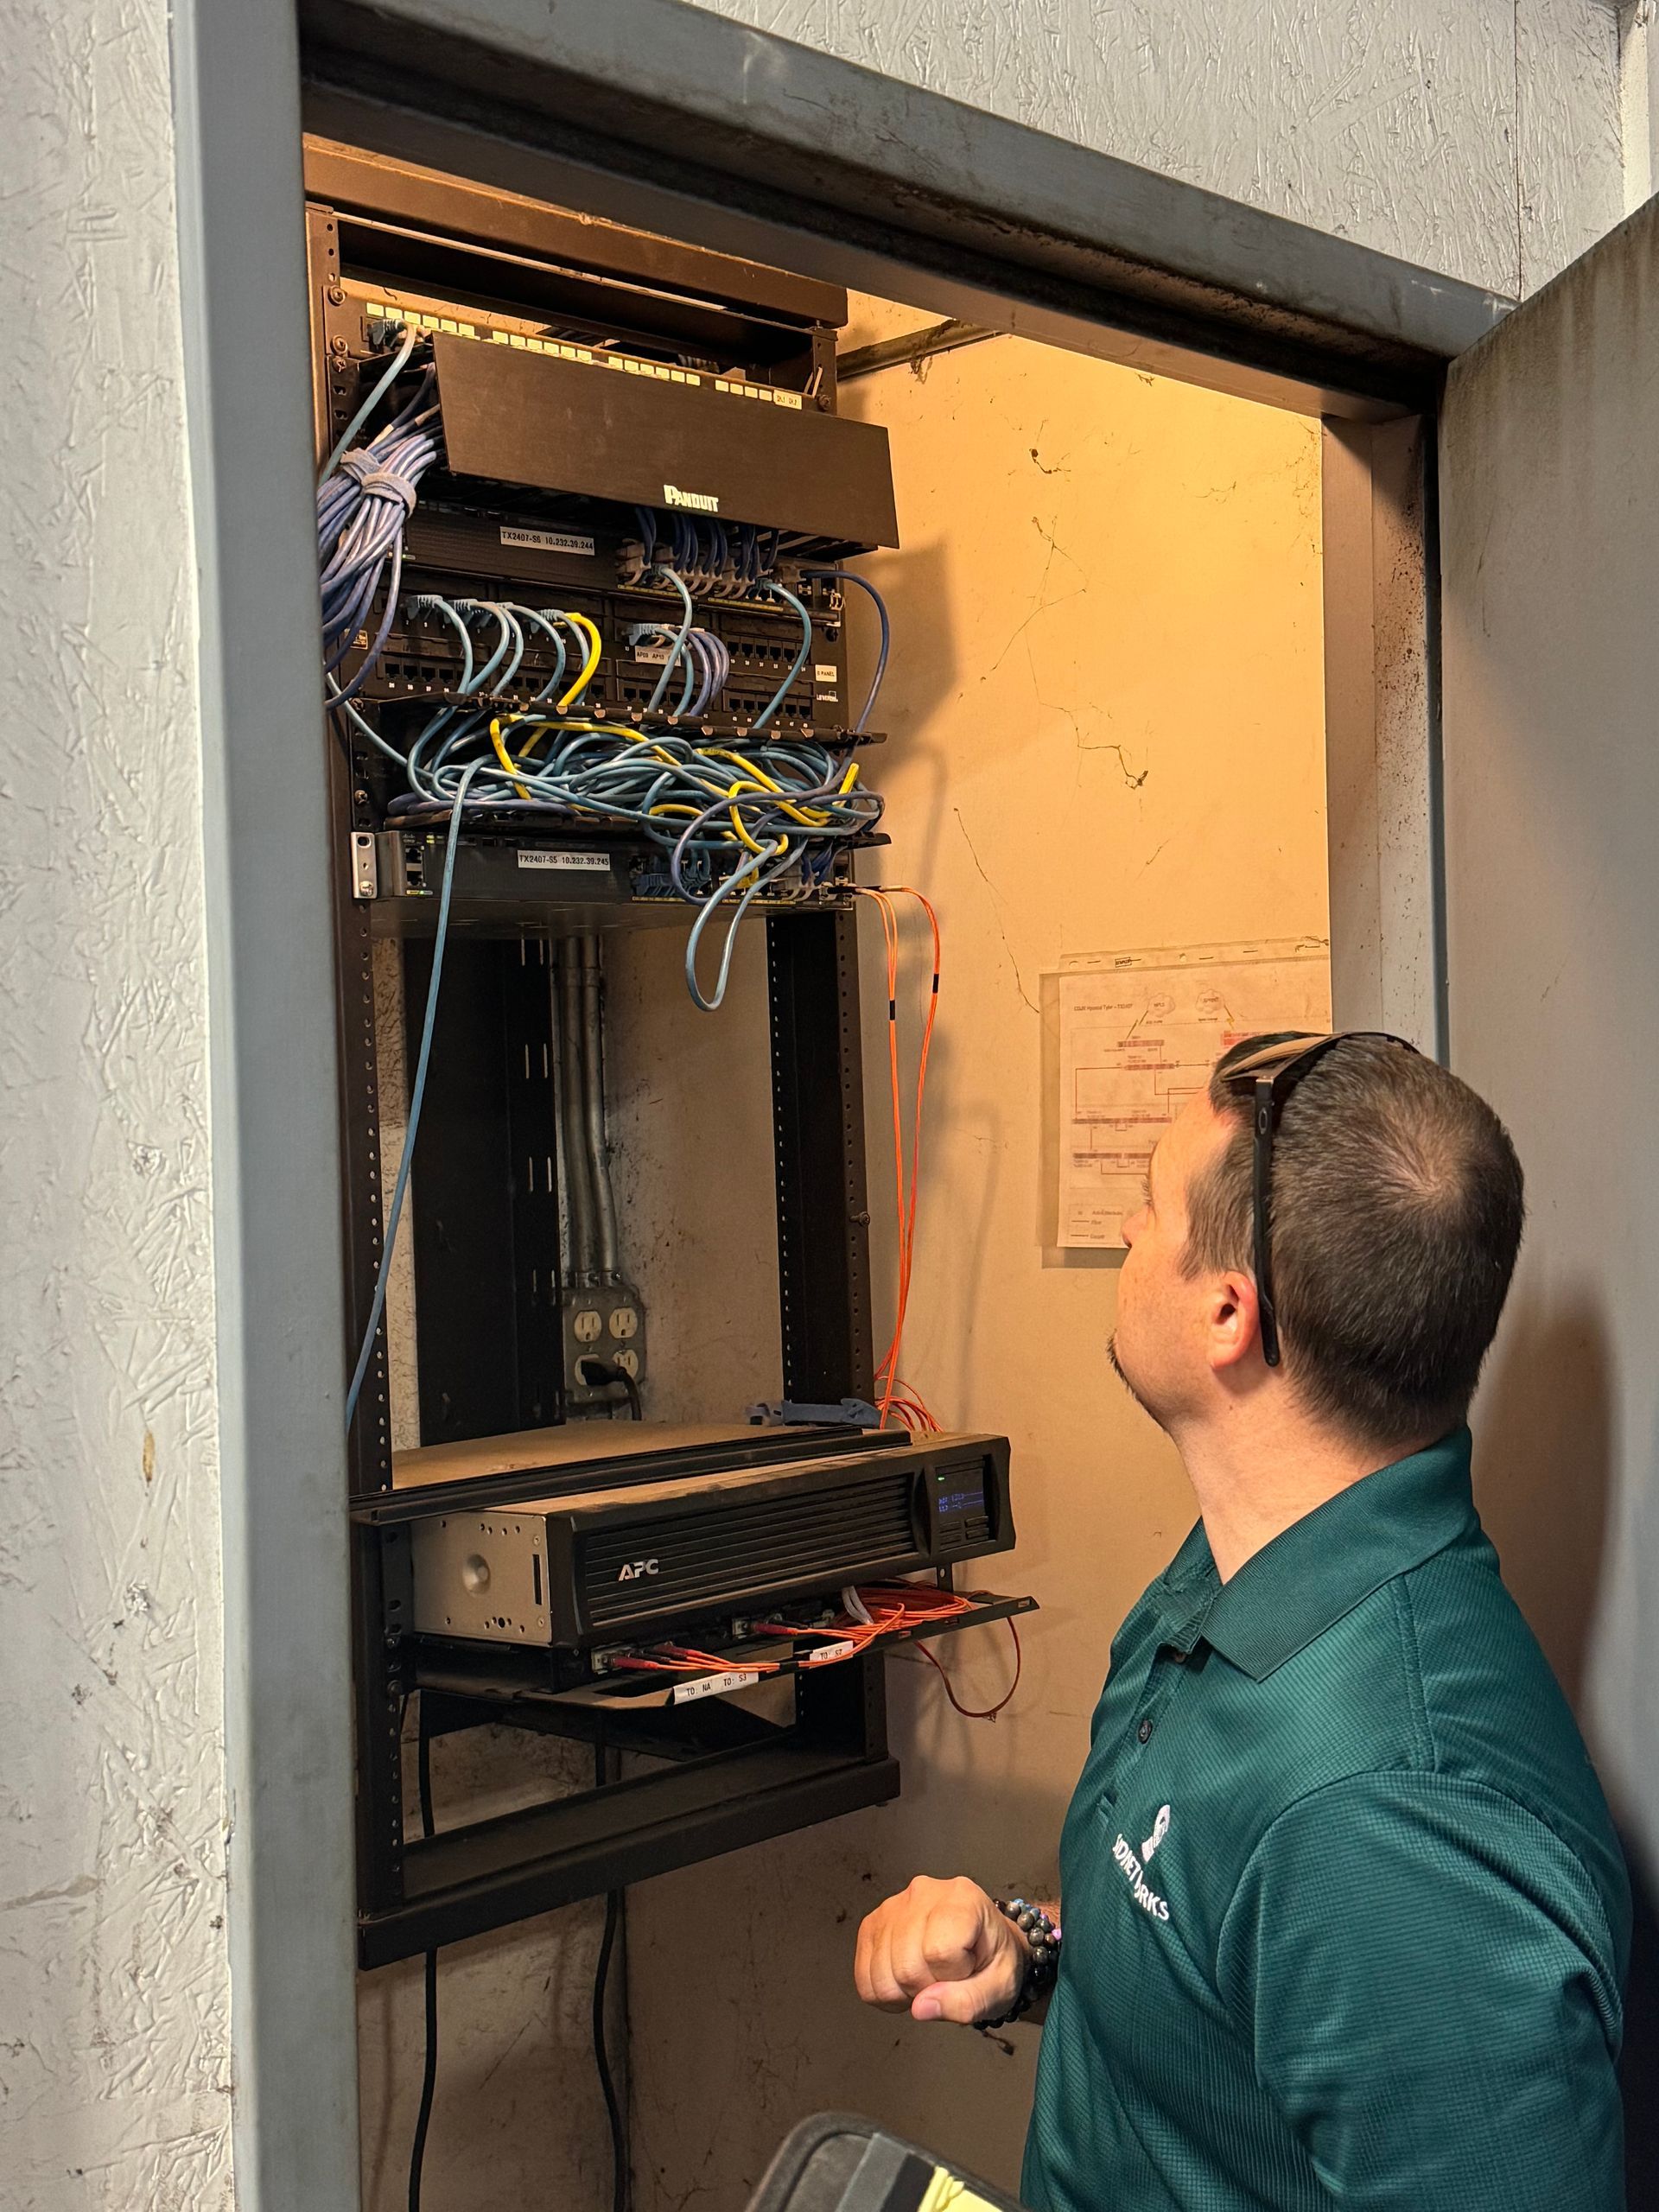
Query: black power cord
[[619, 2169], [621, 2176], [429, 2076], [601, 1374]]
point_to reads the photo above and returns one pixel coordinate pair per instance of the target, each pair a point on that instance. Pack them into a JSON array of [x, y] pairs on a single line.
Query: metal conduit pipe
[[592, 1101], [573, 1146]]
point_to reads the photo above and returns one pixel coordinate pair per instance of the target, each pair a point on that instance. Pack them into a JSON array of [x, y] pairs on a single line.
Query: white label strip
[[708, 1686], [823, 673], [653, 655], [826, 1652], [594, 863], [547, 541], [770, 392]]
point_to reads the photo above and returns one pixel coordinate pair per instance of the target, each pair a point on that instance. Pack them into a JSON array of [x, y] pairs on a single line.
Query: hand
[[940, 1951]]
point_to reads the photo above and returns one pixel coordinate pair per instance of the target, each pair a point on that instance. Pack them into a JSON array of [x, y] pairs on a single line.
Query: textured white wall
[[114, 2044], [1482, 140]]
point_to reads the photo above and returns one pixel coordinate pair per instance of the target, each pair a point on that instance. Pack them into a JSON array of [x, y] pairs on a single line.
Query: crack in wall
[[996, 906]]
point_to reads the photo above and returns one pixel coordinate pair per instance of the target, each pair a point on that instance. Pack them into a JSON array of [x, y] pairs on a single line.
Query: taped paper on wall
[[1138, 1034]]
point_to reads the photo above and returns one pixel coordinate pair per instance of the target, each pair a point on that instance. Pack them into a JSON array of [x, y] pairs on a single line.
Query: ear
[[1232, 1323]]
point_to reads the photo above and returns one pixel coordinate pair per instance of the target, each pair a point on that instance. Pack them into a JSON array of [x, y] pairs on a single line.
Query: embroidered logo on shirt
[[1134, 1874], [1159, 1830]]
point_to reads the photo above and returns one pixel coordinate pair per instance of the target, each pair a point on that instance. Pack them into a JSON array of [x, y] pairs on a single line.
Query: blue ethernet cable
[[850, 576], [363, 504], [399, 362], [754, 866], [524, 614], [416, 1097], [506, 631], [676, 787], [680, 636], [782, 591], [429, 603]]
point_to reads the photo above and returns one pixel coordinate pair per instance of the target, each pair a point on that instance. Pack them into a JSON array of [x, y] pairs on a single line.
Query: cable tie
[[365, 468]]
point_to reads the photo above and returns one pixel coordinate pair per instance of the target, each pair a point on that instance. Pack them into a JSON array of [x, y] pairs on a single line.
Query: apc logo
[[635, 1570]]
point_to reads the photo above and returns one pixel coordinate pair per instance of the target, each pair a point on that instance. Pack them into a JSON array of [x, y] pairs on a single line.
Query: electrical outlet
[[602, 1321]]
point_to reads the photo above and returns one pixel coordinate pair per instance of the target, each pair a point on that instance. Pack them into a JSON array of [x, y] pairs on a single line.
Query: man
[[1345, 1919]]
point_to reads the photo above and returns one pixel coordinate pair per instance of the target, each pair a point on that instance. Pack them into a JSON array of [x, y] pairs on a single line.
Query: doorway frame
[[666, 116]]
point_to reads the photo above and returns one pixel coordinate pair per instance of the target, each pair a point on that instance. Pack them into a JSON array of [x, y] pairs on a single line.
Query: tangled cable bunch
[[366, 495], [730, 820]]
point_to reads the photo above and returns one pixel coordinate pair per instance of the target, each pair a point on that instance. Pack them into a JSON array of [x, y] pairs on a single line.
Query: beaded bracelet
[[1042, 1937]]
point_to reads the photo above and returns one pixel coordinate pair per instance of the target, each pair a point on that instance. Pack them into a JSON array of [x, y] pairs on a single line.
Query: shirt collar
[[1315, 1572]]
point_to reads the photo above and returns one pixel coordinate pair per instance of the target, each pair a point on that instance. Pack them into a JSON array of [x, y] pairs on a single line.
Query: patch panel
[[420, 663]]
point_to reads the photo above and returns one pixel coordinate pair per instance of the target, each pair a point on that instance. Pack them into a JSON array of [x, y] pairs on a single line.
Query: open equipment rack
[[383, 237]]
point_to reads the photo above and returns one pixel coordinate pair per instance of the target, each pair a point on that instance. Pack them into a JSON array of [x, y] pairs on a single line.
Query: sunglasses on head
[[1268, 1072]]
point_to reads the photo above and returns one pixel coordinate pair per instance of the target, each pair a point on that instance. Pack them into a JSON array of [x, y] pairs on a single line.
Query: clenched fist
[[940, 1951]]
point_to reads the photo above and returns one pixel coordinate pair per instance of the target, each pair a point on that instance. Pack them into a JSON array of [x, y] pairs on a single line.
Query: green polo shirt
[[1346, 1922]]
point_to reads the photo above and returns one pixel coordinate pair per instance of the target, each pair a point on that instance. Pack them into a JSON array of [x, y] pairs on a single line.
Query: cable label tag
[[709, 1686], [826, 1652], [823, 674], [657, 656], [547, 541], [597, 863]]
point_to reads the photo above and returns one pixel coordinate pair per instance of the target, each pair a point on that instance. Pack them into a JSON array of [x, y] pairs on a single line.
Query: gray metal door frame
[[687, 122], [670, 117], [274, 1099]]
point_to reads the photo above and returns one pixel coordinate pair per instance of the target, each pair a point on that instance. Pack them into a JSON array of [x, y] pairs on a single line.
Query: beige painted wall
[[1106, 732]]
